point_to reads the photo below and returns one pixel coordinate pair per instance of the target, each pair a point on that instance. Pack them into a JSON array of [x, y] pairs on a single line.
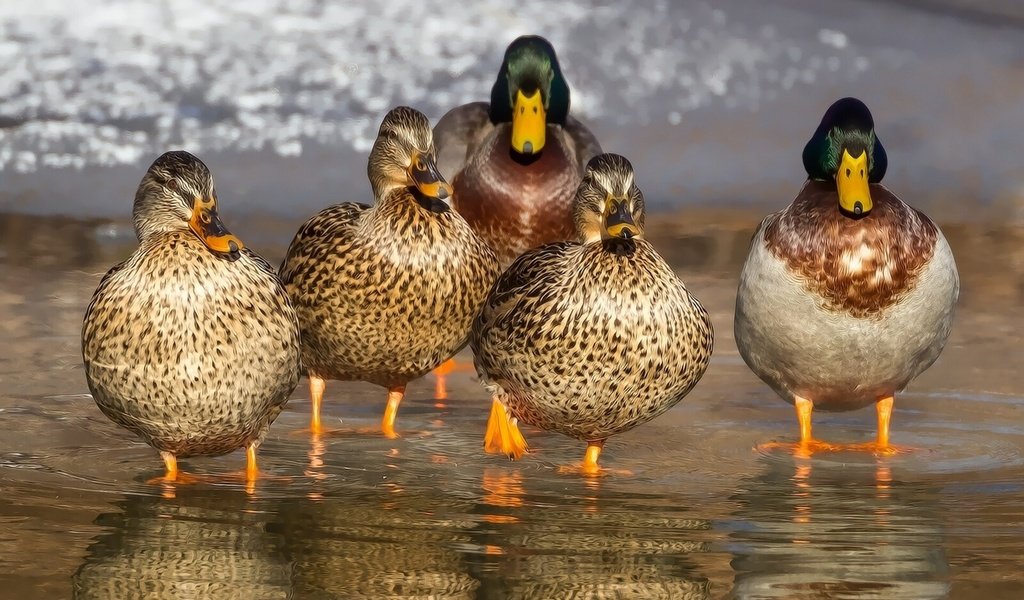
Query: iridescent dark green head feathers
[[529, 65], [847, 125]]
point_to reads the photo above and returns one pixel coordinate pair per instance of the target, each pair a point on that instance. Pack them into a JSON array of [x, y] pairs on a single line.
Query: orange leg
[[590, 467], [170, 466], [447, 368], [807, 444], [592, 454], [251, 471], [440, 387], [503, 435], [171, 472], [387, 425], [804, 409], [884, 408], [881, 444], [316, 395]]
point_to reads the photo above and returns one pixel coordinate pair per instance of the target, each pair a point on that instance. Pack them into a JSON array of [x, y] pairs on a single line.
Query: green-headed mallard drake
[[515, 163], [848, 293], [593, 337], [386, 293], [191, 342]]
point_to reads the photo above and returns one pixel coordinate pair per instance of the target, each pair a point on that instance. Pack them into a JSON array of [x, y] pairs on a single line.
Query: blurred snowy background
[[712, 100]]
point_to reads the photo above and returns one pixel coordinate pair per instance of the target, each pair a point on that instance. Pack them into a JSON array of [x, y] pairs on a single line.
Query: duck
[[591, 337], [191, 343], [848, 293], [386, 293], [515, 162]]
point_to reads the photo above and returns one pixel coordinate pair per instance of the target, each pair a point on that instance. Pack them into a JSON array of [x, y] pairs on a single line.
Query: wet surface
[[703, 514]]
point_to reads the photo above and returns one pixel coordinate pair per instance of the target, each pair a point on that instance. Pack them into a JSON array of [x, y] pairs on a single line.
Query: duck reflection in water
[[205, 543], [809, 529], [395, 541], [588, 546]]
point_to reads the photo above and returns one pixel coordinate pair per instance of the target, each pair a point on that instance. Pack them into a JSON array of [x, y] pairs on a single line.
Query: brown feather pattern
[[857, 265], [385, 294]]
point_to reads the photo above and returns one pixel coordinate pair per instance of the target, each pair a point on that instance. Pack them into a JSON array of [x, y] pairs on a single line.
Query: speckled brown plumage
[[387, 293], [194, 351], [594, 337], [860, 266]]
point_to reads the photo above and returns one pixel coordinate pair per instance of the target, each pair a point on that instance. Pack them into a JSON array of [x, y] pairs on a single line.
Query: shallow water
[[703, 514]]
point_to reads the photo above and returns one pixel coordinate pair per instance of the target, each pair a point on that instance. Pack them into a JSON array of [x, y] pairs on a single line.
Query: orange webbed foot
[[590, 467], [801, 449], [503, 435], [173, 475]]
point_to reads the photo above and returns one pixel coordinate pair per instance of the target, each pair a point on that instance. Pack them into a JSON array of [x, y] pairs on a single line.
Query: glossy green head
[[845, 149], [530, 93]]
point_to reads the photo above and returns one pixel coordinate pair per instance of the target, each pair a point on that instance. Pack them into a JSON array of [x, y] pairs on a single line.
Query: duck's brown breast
[[858, 266], [516, 205]]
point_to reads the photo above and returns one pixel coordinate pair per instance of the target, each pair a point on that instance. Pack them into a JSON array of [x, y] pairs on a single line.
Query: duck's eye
[[172, 184]]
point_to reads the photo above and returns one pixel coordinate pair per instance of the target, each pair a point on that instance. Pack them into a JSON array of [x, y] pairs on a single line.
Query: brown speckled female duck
[[515, 163], [594, 337], [191, 343], [386, 293], [848, 293]]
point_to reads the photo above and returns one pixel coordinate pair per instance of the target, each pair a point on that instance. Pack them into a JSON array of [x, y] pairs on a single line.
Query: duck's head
[[530, 92], [403, 157], [608, 203], [846, 150], [177, 194]]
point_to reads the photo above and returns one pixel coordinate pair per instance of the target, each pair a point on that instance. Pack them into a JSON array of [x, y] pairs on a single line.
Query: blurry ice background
[[711, 100]]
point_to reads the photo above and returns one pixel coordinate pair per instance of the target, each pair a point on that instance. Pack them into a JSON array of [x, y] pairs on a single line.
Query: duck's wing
[[458, 133], [531, 278], [584, 140], [327, 230]]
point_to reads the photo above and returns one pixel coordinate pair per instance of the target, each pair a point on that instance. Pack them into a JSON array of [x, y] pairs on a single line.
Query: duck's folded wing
[[457, 134], [531, 278], [329, 230], [586, 143]]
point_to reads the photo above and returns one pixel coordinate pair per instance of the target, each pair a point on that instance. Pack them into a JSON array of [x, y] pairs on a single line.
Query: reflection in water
[[429, 515], [385, 543], [204, 543], [596, 545], [810, 529]]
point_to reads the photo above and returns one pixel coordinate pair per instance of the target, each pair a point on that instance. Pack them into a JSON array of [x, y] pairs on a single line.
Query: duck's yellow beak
[[618, 221], [852, 181], [207, 225], [428, 179], [529, 123]]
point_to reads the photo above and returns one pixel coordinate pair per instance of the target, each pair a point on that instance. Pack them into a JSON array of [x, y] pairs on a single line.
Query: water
[[711, 100], [703, 514]]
